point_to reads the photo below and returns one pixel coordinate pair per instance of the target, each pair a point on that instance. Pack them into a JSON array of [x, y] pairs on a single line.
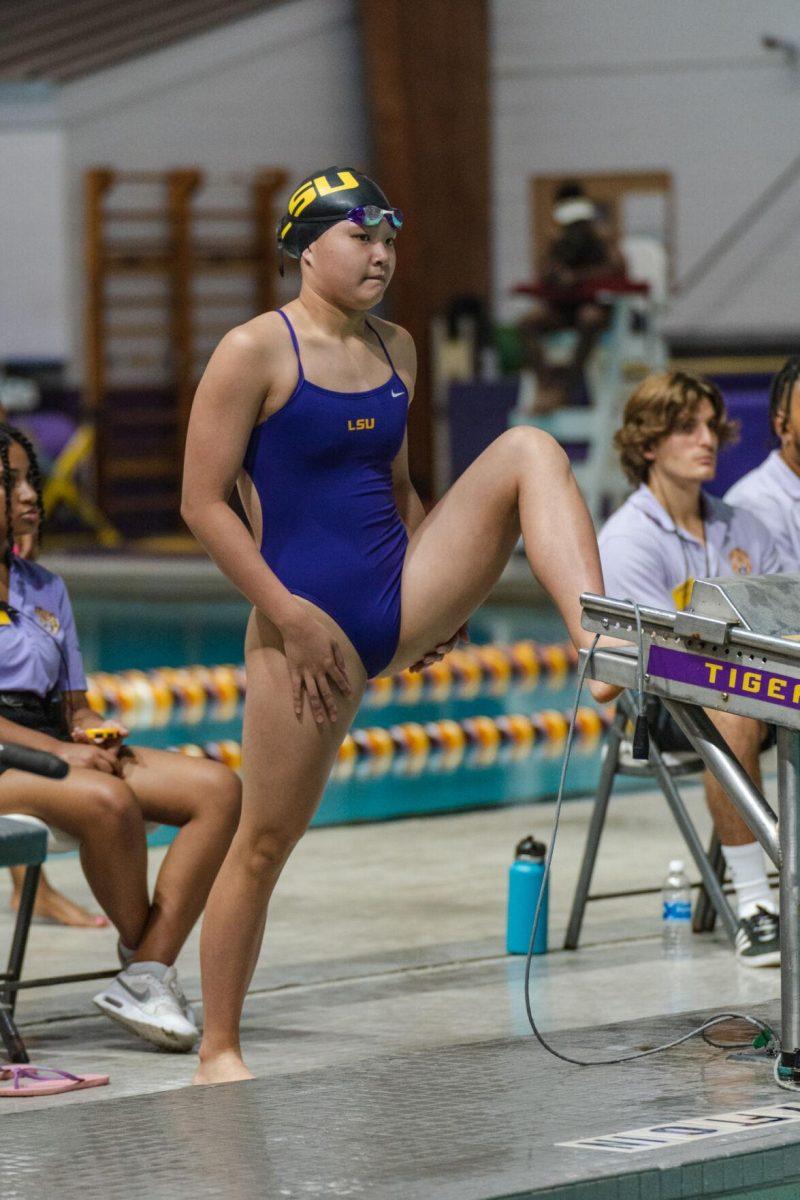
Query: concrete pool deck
[[390, 938]]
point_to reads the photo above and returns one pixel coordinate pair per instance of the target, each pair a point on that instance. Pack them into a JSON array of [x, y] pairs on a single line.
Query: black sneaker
[[758, 939]]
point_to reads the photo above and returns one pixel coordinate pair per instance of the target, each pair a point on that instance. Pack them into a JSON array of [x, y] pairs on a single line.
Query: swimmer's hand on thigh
[[316, 666]]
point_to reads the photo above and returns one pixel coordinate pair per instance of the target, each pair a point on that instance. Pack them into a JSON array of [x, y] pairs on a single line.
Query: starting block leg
[[787, 1066]]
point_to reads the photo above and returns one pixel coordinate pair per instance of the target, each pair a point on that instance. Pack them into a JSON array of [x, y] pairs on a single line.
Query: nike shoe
[[148, 1005], [758, 940], [125, 960], [180, 996]]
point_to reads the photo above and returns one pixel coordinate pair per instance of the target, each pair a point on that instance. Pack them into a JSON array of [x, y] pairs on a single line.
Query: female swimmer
[[347, 576]]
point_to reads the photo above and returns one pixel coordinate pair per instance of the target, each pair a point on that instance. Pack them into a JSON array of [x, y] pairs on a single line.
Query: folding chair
[[27, 841], [20, 846], [666, 768]]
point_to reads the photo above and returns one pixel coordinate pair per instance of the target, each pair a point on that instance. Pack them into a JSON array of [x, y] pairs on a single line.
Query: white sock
[[126, 953], [147, 968], [749, 877]]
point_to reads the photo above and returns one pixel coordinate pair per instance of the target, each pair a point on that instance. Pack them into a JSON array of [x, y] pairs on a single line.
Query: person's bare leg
[[532, 329], [745, 737], [102, 813], [53, 905], [202, 798], [591, 320], [521, 483], [287, 763], [550, 380]]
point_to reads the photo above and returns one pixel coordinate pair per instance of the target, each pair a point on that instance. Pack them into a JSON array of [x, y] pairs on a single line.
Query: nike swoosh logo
[[139, 993], [400, 393]]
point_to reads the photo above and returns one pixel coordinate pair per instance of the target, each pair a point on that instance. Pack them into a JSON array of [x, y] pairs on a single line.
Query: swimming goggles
[[371, 215]]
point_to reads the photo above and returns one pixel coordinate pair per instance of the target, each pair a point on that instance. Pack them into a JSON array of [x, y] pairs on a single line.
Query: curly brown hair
[[660, 405]]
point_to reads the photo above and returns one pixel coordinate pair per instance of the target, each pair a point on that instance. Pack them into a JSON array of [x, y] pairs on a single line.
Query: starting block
[[736, 649]]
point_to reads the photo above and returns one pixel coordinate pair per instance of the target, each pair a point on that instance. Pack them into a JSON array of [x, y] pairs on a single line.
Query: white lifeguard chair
[[631, 348]]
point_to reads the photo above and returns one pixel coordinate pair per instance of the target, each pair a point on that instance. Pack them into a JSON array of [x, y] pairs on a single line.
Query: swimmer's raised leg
[[522, 483]]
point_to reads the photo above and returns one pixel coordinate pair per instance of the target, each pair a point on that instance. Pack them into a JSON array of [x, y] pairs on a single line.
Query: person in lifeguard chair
[[579, 259]]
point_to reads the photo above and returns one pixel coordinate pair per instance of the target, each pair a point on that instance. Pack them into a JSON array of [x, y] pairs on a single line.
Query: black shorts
[[668, 735], [45, 714]]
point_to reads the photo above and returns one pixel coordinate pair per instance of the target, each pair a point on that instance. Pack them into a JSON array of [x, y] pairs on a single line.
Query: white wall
[[33, 287], [282, 88], [578, 85], [681, 85]]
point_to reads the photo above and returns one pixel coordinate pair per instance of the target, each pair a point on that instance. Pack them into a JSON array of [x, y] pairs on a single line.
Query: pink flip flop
[[29, 1080]]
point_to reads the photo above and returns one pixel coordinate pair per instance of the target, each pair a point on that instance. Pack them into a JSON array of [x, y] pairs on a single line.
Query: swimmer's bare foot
[[52, 905], [227, 1067]]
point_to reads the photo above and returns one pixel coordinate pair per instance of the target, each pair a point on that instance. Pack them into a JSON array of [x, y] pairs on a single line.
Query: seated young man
[[772, 490], [111, 789], [666, 535]]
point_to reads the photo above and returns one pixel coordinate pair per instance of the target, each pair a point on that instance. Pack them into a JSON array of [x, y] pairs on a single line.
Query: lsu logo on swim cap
[[310, 189], [323, 198]]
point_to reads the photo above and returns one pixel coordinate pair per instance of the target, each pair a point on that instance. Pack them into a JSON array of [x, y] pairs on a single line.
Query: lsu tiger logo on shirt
[[48, 620], [682, 594], [361, 423], [740, 561]]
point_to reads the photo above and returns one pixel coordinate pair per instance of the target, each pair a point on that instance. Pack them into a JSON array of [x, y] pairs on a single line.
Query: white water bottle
[[676, 908]]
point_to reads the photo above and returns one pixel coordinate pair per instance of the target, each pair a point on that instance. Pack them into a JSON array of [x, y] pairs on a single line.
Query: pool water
[[120, 635]]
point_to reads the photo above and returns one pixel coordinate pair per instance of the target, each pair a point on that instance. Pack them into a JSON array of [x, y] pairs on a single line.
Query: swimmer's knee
[[265, 852], [527, 446]]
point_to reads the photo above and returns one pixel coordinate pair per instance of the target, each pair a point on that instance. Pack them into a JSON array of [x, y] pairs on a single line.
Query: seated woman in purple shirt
[[112, 789]]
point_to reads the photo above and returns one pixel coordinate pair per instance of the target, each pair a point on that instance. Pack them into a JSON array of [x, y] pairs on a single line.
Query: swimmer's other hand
[[438, 653]]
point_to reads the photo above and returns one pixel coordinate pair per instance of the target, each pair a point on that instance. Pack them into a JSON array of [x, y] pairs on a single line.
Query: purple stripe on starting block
[[720, 675]]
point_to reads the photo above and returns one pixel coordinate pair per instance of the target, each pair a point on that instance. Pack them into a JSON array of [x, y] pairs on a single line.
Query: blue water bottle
[[525, 877]]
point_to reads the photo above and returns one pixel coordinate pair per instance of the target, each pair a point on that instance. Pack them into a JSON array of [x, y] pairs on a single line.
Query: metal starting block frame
[[736, 649]]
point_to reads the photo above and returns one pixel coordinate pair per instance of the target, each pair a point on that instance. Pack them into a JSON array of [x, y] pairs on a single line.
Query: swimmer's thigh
[[459, 551], [285, 761]]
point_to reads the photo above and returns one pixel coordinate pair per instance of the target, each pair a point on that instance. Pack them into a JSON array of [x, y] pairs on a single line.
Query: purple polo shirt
[[39, 648], [647, 559], [772, 492]]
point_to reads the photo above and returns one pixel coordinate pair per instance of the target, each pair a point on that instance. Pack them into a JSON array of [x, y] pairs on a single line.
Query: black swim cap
[[321, 200]]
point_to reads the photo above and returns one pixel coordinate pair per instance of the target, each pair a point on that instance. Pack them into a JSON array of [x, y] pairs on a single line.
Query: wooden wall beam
[[427, 92]]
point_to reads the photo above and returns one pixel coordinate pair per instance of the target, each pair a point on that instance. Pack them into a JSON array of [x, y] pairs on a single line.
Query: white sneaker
[[126, 958], [180, 996], [150, 1007]]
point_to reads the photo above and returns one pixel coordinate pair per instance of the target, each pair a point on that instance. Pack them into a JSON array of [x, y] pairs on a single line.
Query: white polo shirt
[[772, 492], [647, 558]]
